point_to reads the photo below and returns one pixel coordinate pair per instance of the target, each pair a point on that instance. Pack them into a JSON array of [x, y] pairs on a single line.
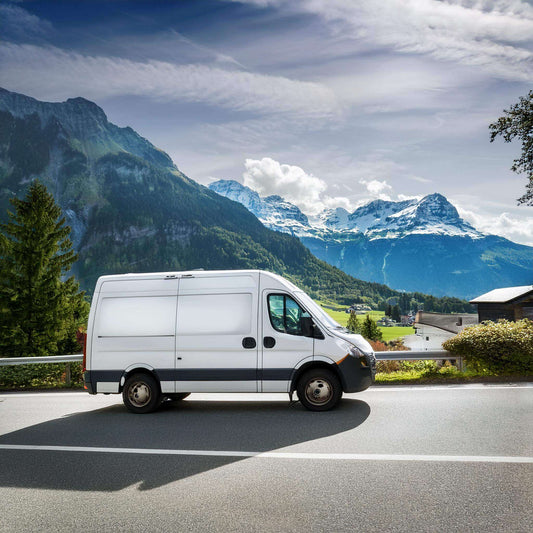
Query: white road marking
[[460, 386], [277, 455]]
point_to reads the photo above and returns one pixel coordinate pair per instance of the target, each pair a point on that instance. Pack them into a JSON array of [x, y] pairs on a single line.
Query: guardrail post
[[68, 377]]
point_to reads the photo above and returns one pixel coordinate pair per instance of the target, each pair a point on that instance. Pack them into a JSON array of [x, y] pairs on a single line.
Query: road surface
[[439, 458]]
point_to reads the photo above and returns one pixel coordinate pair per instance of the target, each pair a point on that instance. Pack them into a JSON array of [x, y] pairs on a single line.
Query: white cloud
[[492, 35], [16, 22], [377, 189], [267, 176], [58, 74], [515, 228]]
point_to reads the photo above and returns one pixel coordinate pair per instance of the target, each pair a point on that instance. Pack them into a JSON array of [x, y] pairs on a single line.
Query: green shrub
[[43, 375], [501, 346]]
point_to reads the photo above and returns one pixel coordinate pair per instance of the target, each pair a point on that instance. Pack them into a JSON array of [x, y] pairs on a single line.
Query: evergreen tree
[[388, 310], [396, 314], [39, 311], [370, 330], [353, 323]]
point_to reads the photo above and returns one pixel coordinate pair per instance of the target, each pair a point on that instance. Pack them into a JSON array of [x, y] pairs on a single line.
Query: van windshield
[[316, 310]]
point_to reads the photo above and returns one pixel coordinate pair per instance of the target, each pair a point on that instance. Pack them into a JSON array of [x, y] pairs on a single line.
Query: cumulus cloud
[[310, 193], [377, 189], [62, 74], [268, 177]]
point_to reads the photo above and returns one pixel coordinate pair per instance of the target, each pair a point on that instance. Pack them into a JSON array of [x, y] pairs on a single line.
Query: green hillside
[[132, 210]]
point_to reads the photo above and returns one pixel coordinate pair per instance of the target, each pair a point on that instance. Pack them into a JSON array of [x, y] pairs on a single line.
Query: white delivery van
[[166, 335]]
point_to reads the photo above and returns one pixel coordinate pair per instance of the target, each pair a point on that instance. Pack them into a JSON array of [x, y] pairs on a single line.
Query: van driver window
[[285, 314]]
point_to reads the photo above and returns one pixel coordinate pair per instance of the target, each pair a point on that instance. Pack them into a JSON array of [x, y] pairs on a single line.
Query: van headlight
[[352, 350], [366, 359]]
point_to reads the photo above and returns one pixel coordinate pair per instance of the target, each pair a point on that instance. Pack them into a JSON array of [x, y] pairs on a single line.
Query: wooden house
[[511, 303]]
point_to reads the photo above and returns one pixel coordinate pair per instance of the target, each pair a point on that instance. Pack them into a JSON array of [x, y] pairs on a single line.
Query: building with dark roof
[[511, 303]]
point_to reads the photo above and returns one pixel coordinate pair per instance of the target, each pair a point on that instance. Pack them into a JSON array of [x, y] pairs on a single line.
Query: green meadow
[[339, 315]]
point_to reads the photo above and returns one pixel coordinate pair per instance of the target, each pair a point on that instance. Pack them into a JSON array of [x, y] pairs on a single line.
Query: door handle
[[269, 342], [248, 342]]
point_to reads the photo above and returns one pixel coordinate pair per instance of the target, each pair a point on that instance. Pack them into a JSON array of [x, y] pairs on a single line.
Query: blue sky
[[325, 102]]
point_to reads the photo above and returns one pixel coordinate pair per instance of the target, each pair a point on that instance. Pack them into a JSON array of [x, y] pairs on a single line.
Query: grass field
[[388, 333]]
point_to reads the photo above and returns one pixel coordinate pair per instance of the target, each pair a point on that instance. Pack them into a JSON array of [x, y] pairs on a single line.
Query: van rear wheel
[[319, 389], [141, 393]]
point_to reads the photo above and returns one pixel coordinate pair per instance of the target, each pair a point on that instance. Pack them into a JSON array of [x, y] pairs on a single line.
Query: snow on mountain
[[420, 245], [273, 211], [380, 219]]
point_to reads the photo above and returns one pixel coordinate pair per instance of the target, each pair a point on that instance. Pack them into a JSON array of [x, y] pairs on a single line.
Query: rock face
[[412, 245]]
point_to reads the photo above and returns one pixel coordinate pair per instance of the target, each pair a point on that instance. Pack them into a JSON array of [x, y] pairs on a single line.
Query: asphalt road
[[389, 459]]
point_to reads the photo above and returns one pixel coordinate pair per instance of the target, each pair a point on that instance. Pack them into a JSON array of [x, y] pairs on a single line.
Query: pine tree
[[39, 311], [396, 314], [370, 330], [353, 323]]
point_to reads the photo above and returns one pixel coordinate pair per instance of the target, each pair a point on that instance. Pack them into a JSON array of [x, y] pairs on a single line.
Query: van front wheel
[[319, 389], [141, 393]]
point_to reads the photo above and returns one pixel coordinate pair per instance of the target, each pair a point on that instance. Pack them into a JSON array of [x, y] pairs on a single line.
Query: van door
[[134, 326], [283, 343], [216, 333]]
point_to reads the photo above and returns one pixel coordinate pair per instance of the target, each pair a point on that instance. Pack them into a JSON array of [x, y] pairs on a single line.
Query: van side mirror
[[309, 329]]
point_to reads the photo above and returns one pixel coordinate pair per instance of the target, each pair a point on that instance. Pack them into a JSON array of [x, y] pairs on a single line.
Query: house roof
[[501, 296]]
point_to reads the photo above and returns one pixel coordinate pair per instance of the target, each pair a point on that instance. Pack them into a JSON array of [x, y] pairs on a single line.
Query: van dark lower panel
[[354, 376], [92, 377]]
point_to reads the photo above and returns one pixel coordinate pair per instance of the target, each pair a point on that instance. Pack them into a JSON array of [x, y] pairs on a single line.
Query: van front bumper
[[357, 374]]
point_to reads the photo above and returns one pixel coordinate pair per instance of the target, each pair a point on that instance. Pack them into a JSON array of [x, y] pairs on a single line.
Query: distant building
[[511, 303], [432, 329]]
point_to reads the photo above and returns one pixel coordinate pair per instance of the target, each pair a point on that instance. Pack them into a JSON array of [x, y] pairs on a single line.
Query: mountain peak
[[273, 211], [86, 122], [378, 219]]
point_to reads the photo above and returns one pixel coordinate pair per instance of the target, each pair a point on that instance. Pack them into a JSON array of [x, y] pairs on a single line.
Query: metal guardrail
[[419, 355], [74, 358], [403, 355], [412, 355]]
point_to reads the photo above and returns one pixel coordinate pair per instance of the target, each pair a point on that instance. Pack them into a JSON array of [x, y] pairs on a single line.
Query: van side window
[[285, 314]]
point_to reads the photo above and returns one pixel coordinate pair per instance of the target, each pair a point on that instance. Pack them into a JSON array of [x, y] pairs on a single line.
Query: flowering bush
[[501, 346]]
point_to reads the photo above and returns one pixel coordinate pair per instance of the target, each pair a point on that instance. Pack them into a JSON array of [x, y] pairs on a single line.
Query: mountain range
[[131, 209], [410, 245]]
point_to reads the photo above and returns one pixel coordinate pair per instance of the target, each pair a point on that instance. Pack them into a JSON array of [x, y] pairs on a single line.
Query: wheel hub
[[139, 394], [318, 391]]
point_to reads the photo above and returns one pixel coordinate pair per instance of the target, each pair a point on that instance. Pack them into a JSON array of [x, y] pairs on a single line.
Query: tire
[[319, 389], [178, 396], [141, 393]]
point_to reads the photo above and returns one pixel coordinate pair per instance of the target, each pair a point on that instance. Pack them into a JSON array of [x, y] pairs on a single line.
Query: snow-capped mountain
[[432, 215], [273, 211], [412, 245]]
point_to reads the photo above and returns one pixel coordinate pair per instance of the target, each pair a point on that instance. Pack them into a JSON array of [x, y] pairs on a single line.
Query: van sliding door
[[216, 333]]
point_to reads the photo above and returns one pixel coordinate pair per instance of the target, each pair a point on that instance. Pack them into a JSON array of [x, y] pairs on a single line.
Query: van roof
[[196, 274]]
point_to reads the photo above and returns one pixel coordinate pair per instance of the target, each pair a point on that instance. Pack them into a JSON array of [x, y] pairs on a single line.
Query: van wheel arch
[[138, 370], [308, 366]]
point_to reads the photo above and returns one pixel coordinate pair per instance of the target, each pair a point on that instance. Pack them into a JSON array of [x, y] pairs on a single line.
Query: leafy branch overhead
[[518, 123]]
